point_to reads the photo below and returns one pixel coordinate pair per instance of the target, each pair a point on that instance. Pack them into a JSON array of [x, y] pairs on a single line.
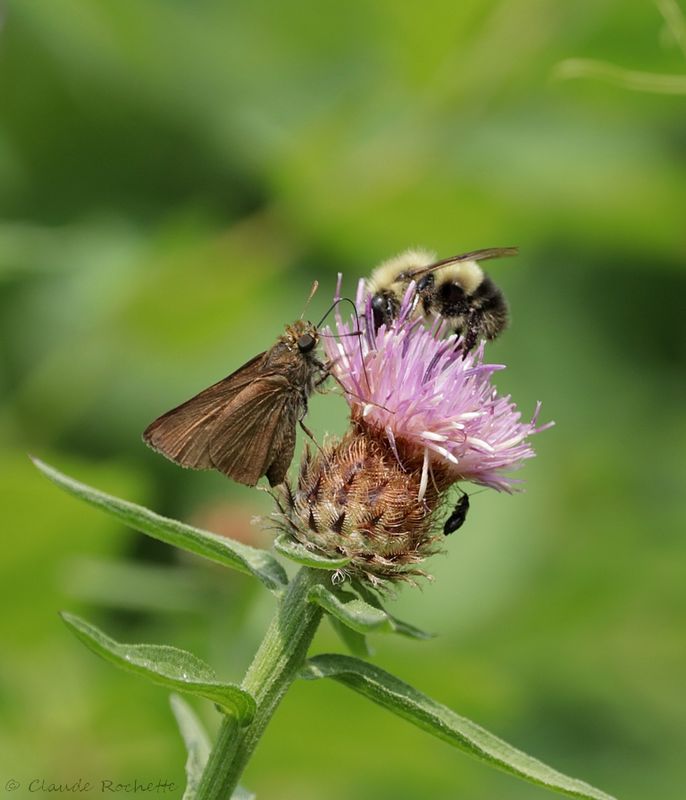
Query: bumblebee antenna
[[474, 255]]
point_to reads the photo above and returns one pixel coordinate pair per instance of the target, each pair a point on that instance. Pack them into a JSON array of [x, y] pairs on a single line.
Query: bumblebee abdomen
[[490, 305], [487, 293]]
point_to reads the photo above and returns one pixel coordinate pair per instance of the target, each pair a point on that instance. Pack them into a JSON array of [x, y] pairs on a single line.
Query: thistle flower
[[424, 415], [423, 392]]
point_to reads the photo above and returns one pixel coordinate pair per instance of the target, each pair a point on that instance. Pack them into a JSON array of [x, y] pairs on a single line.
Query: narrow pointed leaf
[[223, 551], [360, 615], [403, 628], [198, 746], [438, 720], [168, 666], [354, 641], [197, 743], [354, 613], [301, 555]]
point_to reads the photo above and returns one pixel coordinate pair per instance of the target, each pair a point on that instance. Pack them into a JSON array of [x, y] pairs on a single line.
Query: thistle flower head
[[354, 499], [424, 415], [428, 397]]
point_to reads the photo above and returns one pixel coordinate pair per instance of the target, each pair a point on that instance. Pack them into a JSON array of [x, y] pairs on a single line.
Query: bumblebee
[[455, 288]]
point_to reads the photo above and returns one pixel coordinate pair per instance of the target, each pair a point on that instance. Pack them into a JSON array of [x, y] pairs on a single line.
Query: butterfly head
[[301, 336]]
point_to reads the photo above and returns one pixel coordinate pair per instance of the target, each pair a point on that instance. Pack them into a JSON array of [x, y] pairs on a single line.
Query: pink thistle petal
[[408, 382]]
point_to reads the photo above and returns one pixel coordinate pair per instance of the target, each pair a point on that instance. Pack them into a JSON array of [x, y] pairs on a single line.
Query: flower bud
[[354, 499]]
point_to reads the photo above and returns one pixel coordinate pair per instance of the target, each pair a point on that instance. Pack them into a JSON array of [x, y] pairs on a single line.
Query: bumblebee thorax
[[468, 275]]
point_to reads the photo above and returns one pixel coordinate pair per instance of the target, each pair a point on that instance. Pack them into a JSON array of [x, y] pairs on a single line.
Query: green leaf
[[403, 628], [203, 543], [301, 555], [354, 613], [354, 641], [198, 746], [624, 78], [360, 615], [242, 794], [409, 703], [168, 666], [196, 741]]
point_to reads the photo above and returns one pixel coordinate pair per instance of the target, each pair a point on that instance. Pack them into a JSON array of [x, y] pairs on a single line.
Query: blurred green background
[[173, 177]]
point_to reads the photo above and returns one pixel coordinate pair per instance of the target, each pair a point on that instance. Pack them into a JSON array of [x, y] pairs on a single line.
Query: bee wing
[[184, 433], [474, 255], [255, 434]]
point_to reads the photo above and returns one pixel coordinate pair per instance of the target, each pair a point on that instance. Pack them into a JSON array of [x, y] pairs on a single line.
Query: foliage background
[[173, 176]]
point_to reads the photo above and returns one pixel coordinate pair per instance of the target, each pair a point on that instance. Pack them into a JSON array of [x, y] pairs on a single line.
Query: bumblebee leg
[[472, 331]]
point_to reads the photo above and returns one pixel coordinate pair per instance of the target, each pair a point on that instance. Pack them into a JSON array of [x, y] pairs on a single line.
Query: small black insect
[[456, 520]]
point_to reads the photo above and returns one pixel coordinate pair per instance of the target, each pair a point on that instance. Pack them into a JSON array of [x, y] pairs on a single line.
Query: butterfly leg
[[311, 435], [302, 424], [307, 431], [324, 369]]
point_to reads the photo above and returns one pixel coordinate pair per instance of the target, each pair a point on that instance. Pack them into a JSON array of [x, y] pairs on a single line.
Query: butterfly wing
[[184, 433], [255, 434]]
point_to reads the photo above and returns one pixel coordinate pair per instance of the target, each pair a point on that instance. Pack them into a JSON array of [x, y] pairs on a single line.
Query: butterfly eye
[[306, 343]]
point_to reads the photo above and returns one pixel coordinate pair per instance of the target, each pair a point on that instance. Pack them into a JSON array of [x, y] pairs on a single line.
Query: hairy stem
[[275, 666]]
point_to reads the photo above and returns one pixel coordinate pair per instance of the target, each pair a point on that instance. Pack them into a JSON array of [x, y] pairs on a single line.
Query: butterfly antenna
[[357, 333], [333, 305], [315, 286], [341, 335]]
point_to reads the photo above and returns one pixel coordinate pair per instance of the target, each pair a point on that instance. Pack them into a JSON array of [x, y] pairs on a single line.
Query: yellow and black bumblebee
[[454, 288]]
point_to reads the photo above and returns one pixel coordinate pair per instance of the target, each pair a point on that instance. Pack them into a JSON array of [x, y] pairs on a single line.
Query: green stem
[[275, 666]]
